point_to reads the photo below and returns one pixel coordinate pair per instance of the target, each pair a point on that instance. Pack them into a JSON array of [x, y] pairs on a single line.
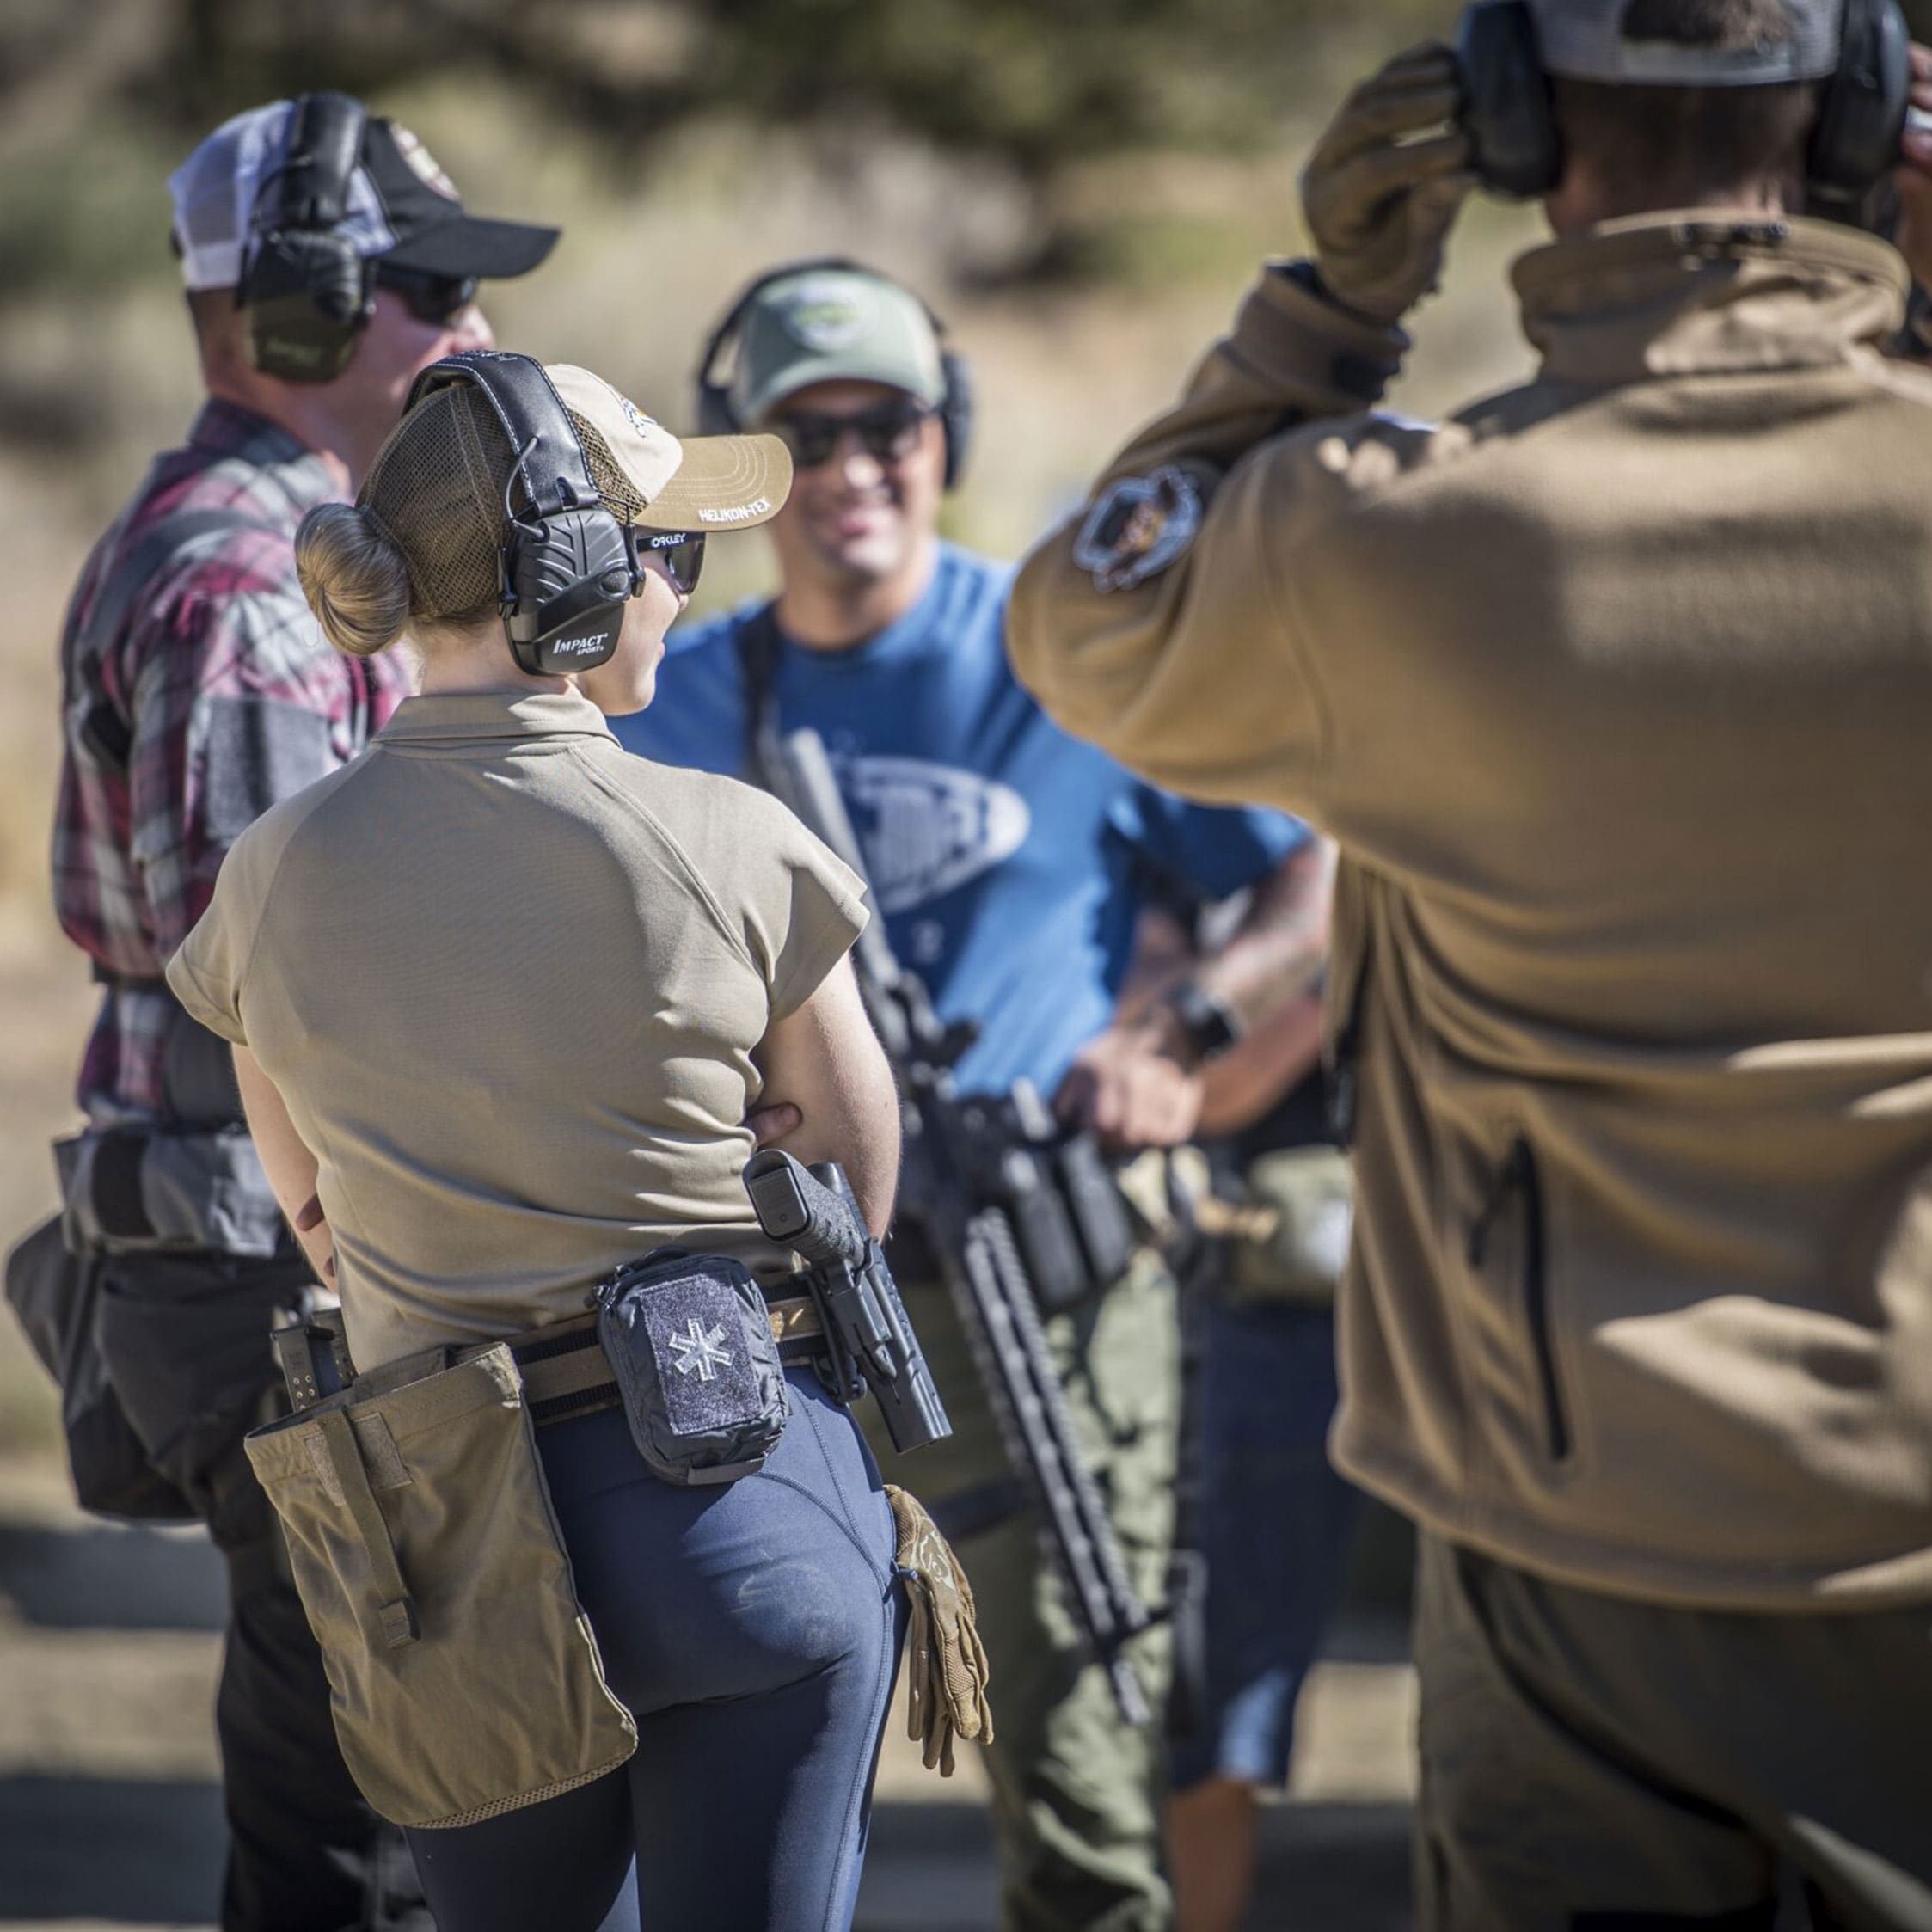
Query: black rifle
[[869, 1340], [973, 1174]]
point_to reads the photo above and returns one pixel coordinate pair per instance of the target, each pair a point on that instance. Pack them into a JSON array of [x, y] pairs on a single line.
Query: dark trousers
[[1596, 1764], [753, 1630], [1274, 1526], [186, 1342]]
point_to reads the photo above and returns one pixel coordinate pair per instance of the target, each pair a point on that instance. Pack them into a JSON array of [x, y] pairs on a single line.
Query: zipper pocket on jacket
[[1342, 1059], [1518, 1179]]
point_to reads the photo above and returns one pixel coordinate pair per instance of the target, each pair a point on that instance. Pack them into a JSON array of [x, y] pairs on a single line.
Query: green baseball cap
[[830, 325]]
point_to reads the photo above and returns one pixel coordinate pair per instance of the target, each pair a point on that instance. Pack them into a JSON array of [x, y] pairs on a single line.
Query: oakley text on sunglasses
[[681, 552]]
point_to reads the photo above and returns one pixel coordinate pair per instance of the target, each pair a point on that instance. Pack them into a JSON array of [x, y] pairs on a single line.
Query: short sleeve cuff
[[830, 938], [200, 1004]]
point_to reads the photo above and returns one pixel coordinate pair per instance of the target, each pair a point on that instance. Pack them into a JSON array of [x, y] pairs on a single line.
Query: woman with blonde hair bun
[[502, 998], [354, 577]]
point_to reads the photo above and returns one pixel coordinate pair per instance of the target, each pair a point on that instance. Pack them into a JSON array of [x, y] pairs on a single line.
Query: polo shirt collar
[[471, 717]]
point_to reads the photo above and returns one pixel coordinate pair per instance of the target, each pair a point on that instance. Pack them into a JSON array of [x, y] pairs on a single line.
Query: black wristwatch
[[1208, 1024]]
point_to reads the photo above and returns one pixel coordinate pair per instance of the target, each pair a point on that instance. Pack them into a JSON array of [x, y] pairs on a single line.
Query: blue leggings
[[753, 1632]]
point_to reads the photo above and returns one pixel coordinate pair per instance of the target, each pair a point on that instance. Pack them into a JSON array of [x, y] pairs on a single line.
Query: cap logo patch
[[635, 416], [422, 163], [737, 513], [825, 316]]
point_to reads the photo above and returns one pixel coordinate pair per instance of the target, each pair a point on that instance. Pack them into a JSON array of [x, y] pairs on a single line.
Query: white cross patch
[[701, 1351]]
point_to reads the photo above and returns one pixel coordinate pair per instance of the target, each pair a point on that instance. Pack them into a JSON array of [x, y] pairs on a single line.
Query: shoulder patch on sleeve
[[1138, 528]]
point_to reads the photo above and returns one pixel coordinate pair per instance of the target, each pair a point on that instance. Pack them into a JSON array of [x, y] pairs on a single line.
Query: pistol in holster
[[870, 1342]]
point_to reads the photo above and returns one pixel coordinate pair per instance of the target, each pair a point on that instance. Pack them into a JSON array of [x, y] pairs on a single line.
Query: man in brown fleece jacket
[[1617, 691]]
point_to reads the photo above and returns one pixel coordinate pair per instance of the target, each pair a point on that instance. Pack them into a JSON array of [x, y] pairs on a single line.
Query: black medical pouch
[[690, 1346]]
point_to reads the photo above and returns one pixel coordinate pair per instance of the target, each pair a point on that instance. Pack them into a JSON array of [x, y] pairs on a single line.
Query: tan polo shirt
[[508, 979]]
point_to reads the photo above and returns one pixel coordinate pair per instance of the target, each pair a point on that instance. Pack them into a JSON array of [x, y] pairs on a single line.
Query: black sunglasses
[[430, 299], [682, 552], [888, 433]]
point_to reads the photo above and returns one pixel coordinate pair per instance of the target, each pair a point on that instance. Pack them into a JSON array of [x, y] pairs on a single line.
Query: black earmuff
[[306, 291], [716, 417], [1862, 118], [567, 565], [956, 406], [1509, 112]]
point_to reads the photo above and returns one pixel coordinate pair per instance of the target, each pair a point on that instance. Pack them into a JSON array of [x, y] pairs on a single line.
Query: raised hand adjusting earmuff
[[568, 564], [306, 292], [716, 416], [1509, 112]]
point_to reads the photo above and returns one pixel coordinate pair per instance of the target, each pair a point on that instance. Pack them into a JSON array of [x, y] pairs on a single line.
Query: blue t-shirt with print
[[1008, 860]]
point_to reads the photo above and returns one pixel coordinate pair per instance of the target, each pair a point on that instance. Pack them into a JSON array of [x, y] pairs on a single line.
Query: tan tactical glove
[[1379, 195], [945, 1662]]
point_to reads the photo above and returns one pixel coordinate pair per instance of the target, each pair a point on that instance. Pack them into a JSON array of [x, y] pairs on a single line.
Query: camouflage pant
[[1076, 1791]]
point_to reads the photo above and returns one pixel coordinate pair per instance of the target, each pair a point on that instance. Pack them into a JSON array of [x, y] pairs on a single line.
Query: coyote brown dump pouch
[[464, 1677]]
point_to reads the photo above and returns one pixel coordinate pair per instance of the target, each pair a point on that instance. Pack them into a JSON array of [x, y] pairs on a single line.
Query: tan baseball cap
[[437, 485], [668, 482]]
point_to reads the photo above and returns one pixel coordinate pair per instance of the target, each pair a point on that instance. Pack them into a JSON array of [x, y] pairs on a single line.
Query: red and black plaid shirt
[[228, 698]]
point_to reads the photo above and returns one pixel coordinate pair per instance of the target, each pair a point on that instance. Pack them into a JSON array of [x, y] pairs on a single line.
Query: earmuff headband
[[727, 329], [555, 472], [566, 566], [325, 142], [304, 286], [1510, 118]]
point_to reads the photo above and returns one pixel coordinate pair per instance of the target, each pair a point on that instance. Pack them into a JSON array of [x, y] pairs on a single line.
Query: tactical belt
[[566, 1373]]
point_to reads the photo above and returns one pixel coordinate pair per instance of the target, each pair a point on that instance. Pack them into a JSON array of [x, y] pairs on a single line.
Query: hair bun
[[354, 577]]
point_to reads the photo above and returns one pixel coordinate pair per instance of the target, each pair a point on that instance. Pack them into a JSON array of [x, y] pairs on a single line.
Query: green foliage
[[1135, 250], [97, 102], [1039, 86], [83, 219]]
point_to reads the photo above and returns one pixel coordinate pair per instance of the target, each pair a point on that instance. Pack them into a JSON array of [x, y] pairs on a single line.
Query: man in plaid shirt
[[198, 691], [232, 700]]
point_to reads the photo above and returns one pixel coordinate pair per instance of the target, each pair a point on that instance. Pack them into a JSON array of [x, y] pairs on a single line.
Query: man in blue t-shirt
[[1010, 864]]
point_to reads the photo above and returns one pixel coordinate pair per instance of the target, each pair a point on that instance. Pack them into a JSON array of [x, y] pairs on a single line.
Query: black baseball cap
[[401, 208]]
